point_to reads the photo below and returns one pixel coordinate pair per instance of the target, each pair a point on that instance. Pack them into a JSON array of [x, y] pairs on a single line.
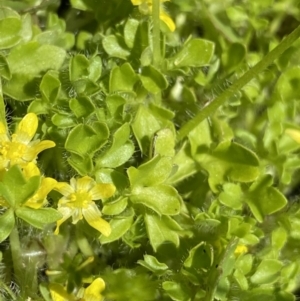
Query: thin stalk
[[2, 106], [156, 33], [210, 109]]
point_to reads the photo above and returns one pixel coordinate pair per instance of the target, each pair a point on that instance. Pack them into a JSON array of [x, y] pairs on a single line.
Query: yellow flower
[[19, 149], [39, 199], [77, 201], [145, 7], [240, 249], [91, 293]]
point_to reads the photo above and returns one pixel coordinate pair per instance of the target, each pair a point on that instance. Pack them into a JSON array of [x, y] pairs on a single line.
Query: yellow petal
[[30, 170], [85, 183], [93, 291], [58, 293], [34, 150], [136, 2], [102, 191], [64, 188], [93, 217], [3, 129], [294, 134], [66, 212], [28, 125], [167, 20], [240, 249], [76, 216]]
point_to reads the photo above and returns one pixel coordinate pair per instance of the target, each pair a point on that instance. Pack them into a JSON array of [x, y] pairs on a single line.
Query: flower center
[[80, 199], [13, 151]]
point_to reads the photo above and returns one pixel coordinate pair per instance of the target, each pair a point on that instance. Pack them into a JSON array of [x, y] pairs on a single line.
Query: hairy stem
[[210, 109]]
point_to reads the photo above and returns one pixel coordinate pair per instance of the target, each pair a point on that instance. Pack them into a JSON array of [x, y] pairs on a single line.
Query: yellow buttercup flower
[[19, 149], [145, 7], [77, 201], [91, 293], [240, 249], [38, 200]]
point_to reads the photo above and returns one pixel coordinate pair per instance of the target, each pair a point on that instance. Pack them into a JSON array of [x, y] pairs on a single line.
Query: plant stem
[[2, 106], [16, 254], [210, 109], [156, 33]]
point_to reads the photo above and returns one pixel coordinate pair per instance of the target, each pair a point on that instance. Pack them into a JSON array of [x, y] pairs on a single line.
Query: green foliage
[[201, 144]]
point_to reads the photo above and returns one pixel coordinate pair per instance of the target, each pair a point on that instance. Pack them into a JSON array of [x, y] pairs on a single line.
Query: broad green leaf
[[244, 263], [231, 196], [84, 139], [234, 56], [130, 30], [82, 106], [231, 161], [10, 32], [28, 61], [241, 280], [63, 120], [153, 80], [279, 238], [122, 78], [50, 87], [200, 137], [177, 291], [120, 151], [164, 143], [119, 226], [267, 272], [108, 175], [151, 263], [195, 53], [116, 207], [7, 222], [200, 257], [38, 218], [263, 199], [15, 189], [115, 46], [161, 229], [156, 171]]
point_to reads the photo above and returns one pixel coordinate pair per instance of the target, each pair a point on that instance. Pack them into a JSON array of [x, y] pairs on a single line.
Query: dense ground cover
[[149, 150]]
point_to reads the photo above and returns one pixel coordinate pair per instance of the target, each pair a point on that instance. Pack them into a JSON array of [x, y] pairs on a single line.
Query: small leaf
[[153, 80], [4, 68], [161, 229], [7, 222], [195, 53], [115, 46], [116, 207], [232, 196], [122, 78], [177, 291], [267, 272], [163, 199], [63, 120], [81, 106], [10, 29], [38, 218], [151, 263], [130, 30], [50, 87], [84, 139]]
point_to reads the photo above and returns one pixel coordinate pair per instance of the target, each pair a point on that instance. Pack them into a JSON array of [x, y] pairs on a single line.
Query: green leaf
[[50, 87], [82, 164], [267, 272], [120, 151], [195, 53], [63, 120], [234, 56], [82, 106], [163, 199], [7, 222], [116, 207], [119, 226], [153, 80], [130, 30], [177, 291], [10, 32], [122, 78], [4, 68], [84, 139], [108, 175], [164, 143], [264, 200], [15, 189], [231, 161], [38, 218], [115, 46], [231, 196], [200, 257], [151, 263], [154, 172], [161, 229]]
